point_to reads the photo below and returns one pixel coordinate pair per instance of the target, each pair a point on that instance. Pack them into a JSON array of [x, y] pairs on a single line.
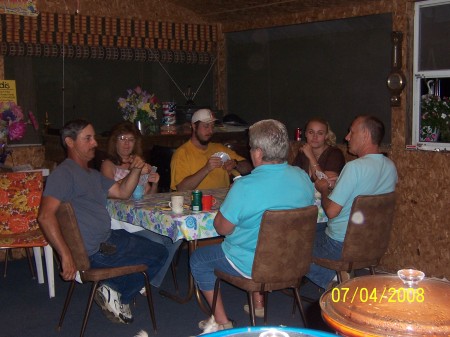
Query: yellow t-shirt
[[188, 159]]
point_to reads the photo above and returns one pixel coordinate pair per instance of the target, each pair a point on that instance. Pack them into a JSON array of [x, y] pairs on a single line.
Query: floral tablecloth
[[152, 212]]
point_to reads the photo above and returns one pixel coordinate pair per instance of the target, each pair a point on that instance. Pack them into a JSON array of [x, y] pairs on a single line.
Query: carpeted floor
[[28, 311]]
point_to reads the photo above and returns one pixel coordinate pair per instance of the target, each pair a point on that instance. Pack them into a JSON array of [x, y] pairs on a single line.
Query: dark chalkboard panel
[[74, 88], [333, 69]]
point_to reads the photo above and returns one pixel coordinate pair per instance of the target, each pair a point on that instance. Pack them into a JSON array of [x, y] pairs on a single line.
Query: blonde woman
[[319, 153]]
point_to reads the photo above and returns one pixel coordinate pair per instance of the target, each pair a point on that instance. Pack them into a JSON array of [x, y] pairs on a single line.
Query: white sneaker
[[109, 300], [210, 325], [125, 313], [143, 292]]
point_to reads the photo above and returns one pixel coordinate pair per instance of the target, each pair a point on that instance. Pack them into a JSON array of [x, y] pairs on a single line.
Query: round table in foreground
[[381, 305], [269, 331]]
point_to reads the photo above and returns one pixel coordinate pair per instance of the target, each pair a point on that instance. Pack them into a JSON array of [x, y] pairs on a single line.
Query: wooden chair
[[20, 197], [367, 236], [282, 257], [161, 156], [72, 236]]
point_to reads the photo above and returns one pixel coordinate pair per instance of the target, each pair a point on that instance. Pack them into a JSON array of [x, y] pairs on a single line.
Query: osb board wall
[[421, 233], [364, 7], [21, 155], [152, 10]]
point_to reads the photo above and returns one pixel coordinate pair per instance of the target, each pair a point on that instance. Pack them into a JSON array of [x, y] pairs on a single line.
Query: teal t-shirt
[[270, 186], [369, 175]]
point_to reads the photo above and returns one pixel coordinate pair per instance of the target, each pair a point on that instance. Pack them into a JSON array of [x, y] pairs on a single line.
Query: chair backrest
[[369, 228], [20, 197], [285, 242], [71, 233], [161, 156]]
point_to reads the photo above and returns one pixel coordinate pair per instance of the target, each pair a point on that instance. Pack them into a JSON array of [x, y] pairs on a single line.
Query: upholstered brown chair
[[282, 257], [72, 236], [367, 236]]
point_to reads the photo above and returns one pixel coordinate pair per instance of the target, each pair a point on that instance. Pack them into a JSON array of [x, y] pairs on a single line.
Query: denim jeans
[[130, 250], [324, 247], [321, 226], [204, 260], [171, 247]]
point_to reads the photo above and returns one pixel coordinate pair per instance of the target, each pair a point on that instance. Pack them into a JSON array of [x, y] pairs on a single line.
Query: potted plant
[[435, 118], [12, 126]]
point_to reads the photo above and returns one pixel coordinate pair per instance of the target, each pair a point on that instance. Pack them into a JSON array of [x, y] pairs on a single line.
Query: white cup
[[176, 203]]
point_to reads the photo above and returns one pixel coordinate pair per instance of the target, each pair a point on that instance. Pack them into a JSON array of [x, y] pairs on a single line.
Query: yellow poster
[[8, 91]]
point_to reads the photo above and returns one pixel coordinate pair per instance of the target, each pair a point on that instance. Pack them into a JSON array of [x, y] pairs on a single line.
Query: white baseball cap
[[203, 115]]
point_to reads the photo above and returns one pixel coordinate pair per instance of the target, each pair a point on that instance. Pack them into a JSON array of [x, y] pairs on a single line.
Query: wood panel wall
[[421, 234]]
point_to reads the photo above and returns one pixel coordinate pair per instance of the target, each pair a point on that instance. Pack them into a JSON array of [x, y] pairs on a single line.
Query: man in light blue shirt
[[371, 174]]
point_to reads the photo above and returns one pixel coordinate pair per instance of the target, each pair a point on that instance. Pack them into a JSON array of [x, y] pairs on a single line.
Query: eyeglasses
[[126, 139]]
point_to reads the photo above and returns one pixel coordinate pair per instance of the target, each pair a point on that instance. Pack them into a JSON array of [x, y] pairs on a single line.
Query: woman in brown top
[[319, 153]]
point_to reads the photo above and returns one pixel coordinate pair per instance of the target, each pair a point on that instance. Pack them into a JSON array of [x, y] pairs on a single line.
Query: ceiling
[[230, 11]]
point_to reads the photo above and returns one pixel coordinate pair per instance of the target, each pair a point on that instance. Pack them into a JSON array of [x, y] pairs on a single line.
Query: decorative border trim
[[104, 53], [79, 36]]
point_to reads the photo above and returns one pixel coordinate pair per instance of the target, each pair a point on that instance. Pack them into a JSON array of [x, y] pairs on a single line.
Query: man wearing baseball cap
[[201, 164]]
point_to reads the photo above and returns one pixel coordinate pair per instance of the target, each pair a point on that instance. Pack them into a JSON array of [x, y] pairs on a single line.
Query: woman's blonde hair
[[330, 138]]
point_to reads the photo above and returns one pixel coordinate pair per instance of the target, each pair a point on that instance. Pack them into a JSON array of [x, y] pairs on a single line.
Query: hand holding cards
[[223, 156], [321, 175]]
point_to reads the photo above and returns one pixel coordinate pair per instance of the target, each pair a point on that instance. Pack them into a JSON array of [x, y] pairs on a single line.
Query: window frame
[[419, 75]]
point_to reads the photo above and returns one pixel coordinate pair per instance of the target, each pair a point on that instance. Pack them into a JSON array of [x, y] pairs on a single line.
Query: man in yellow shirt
[[196, 165]]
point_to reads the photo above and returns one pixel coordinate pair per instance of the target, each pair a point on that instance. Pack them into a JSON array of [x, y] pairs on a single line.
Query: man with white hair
[[273, 184], [201, 164]]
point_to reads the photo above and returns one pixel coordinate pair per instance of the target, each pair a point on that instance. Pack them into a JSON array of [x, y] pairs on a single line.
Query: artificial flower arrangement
[[139, 106], [435, 118], [12, 123]]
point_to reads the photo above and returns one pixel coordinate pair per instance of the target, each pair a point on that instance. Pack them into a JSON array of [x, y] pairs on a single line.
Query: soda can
[[298, 134], [196, 201]]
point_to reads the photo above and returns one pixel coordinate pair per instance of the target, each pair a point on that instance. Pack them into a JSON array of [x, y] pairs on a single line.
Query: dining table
[[383, 305], [152, 212]]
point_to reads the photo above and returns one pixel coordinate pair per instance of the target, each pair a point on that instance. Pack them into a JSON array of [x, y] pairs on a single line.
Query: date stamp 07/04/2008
[[375, 295]]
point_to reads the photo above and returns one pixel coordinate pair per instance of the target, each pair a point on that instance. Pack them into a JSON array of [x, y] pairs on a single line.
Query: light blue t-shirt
[[270, 186], [369, 175]]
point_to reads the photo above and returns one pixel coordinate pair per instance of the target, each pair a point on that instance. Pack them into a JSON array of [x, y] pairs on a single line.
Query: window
[[431, 85]]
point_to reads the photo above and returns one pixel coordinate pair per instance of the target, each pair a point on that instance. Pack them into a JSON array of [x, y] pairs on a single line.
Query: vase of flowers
[[435, 118], [12, 125], [141, 108]]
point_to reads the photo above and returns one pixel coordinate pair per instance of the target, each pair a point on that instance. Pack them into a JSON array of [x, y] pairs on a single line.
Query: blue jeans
[[321, 226], [204, 260], [171, 247], [324, 247], [130, 250]]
